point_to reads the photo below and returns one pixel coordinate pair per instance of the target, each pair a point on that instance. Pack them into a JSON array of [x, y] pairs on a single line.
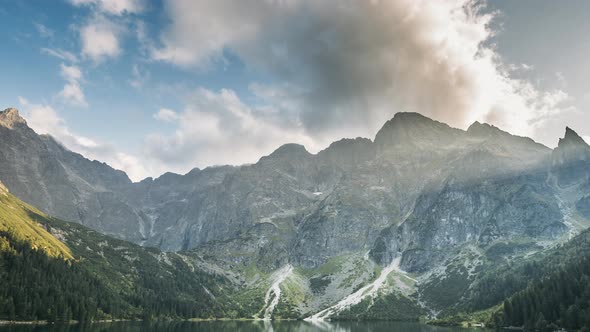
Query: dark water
[[240, 326]]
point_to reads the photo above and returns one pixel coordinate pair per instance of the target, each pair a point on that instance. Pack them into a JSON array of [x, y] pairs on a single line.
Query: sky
[[169, 85]]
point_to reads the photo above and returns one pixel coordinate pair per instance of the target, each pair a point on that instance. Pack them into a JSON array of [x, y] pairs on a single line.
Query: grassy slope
[[125, 280], [16, 218]]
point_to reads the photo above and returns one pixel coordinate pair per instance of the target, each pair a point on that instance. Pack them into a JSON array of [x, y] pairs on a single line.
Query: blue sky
[[155, 86]]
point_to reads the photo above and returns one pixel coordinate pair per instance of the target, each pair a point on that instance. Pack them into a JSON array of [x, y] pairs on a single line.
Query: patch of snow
[[318, 193]]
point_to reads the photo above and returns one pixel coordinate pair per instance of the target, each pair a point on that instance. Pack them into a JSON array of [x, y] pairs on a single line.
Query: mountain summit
[[571, 147], [570, 159], [10, 118], [571, 138], [414, 130]]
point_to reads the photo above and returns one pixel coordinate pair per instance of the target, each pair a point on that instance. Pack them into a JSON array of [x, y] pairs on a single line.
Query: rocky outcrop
[[40, 171], [3, 189], [10, 118], [571, 160]]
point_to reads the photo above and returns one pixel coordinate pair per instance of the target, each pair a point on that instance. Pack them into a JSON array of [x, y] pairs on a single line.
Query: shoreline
[[193, 320], [72, 322]]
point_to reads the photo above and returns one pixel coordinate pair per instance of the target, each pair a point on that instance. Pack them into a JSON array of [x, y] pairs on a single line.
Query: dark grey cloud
[[340, 68]]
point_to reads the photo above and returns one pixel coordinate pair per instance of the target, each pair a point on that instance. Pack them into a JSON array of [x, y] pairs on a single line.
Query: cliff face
[[62, 183], [419, 189]]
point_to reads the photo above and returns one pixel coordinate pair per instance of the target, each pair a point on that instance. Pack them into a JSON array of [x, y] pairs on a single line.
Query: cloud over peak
[[218, 128], [352, 64]]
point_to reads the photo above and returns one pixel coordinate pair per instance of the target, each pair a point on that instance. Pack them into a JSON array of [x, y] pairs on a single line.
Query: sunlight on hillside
[[18, 220]]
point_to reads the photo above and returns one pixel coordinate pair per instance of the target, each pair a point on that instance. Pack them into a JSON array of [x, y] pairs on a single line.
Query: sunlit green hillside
[[20, 221], [57, 271]]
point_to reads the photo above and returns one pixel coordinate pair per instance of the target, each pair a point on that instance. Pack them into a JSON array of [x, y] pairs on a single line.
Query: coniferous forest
[[94, 277], [560, 299], [39, 287]]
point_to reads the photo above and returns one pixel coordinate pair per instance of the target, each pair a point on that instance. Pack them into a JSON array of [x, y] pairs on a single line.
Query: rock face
[[10, 118], [418, 191], [40, 171], [571, 159]]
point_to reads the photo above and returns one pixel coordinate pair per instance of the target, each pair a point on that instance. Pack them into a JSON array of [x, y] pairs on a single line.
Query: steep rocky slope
[[430, 205], [40, 171]]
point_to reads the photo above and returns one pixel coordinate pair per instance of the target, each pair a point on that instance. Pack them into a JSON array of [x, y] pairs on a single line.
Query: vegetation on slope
[[57, 271], [392, 306], [561, 298], [547, 290], [93, 276], [15, 219]]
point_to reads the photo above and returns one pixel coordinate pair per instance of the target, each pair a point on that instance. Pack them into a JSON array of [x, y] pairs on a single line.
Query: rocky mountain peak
[[290, 150], [571, 150], [10, 118], [414, 129], [348, 151], [483, 129], [409, 119], [498, 137], [571, 138]]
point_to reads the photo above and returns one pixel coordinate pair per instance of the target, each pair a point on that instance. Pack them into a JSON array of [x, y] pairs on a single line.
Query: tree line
[[34, 286], [559, 299]]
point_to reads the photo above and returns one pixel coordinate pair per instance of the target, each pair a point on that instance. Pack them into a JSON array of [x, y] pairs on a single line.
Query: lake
[[240, 326]]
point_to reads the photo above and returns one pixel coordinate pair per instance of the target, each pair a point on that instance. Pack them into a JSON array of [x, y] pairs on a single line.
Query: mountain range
[[410, 224]]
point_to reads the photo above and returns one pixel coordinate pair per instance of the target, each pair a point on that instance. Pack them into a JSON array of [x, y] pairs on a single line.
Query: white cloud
[[166, 115], [44, 31], [218, 128], [70, 73], [113, 7], [60, 54], [72, 92], [347, 66], [45, 120], [100, 39], [218, 24]]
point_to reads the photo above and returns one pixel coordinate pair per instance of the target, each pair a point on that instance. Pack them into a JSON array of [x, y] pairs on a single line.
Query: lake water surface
[[241, 326]]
